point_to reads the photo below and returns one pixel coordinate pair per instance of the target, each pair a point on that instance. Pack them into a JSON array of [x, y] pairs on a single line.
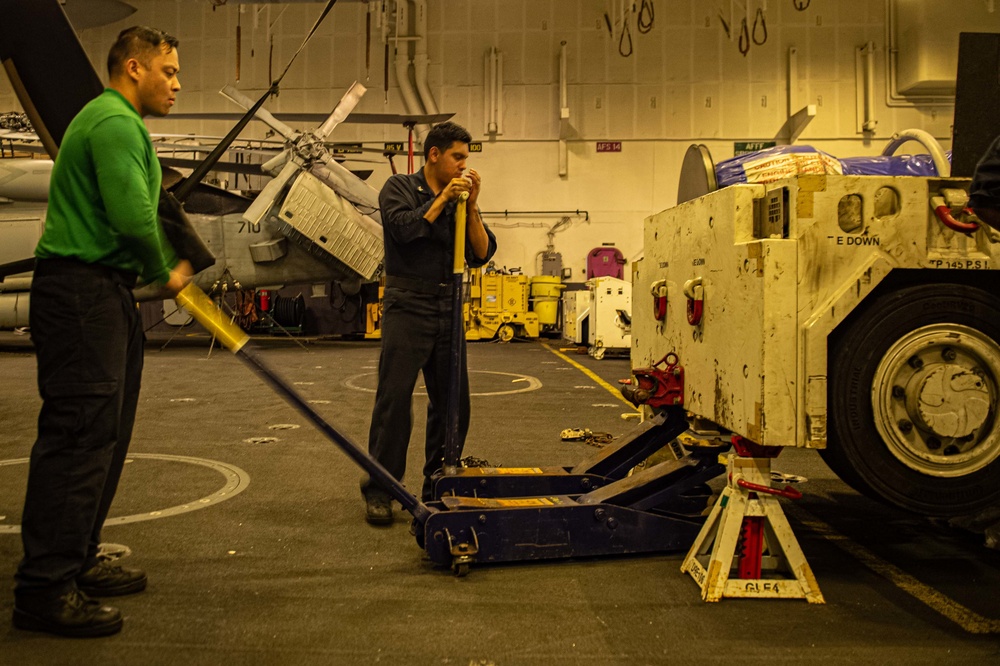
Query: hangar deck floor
[[287, 571]]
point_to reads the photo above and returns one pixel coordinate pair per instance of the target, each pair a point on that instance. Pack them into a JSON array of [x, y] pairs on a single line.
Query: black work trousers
[[416, 335], [88, 339]]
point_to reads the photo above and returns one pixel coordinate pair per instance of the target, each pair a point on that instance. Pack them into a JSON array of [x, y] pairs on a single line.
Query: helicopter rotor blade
[[238, 98], [342, 110]]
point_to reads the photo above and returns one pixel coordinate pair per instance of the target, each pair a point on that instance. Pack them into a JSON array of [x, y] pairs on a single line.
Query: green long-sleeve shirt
[[104, 193]]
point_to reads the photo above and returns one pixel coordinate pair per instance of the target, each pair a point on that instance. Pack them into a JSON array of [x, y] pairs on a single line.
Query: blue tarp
[[768, 165], [891, 165]]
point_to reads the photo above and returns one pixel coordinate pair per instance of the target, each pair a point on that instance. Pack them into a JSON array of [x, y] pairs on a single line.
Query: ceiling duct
[[924, 40]]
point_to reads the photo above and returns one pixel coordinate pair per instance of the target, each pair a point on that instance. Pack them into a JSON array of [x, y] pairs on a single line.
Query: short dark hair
[[443, 135], [138, 42]]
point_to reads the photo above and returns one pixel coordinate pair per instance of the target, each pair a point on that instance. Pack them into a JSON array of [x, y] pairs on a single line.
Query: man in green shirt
[[101, 233]]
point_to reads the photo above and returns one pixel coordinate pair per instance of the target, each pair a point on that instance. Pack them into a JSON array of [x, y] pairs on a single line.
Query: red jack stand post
[[747, 525]]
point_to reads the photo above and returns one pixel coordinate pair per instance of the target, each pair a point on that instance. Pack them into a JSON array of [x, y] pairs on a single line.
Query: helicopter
[[313, 221]]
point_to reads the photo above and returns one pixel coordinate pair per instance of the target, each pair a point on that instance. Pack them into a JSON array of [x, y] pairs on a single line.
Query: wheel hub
[[934, 398], [952, 401]]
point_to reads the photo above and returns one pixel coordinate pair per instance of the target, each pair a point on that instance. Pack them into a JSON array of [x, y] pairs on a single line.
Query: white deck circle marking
[[236, 482], [533, 383]]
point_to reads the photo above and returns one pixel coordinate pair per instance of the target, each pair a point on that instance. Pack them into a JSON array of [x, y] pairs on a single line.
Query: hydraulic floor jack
[[608, 464], [656, 509], [652, 510]]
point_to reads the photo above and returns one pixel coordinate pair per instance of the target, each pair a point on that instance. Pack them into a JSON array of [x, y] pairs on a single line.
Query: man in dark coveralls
[[984, 194], [101, 232], [418, 216]]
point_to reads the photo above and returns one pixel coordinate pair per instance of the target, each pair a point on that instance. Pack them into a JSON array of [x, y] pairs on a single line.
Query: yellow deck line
[[590, 373], [968, 620]]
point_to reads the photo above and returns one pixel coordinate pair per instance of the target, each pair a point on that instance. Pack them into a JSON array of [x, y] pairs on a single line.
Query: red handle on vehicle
[[944, 214], [659, 307], [695, 308]]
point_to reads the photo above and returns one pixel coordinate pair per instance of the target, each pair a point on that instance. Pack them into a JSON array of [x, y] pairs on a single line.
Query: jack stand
[[746, 523]]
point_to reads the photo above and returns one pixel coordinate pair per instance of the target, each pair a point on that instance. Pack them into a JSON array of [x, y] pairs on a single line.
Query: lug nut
[[599, 514], [951, 450], [905, 426], [612, 523], [948, 354], [933, 443], [915, 362], [898, 392]]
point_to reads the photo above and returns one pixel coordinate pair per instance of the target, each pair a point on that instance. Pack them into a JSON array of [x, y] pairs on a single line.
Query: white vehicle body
[[838, 313]]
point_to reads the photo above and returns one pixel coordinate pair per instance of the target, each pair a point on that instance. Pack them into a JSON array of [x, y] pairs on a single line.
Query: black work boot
[[73, 614], [105, 579], [378, 508], [378, 503]]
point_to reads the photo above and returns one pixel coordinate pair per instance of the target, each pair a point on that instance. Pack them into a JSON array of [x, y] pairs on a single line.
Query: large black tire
[[913, 392]]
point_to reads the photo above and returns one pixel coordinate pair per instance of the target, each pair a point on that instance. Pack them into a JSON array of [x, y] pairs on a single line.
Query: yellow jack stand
[[747, 525]]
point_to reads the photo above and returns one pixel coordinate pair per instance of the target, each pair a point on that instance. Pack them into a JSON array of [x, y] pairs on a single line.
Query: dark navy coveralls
[[416, 325]]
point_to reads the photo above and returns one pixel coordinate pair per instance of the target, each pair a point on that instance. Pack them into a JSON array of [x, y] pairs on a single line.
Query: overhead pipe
[[499, 93], [563, 112], [402, 62], [867, 55], [420, 60], [493, 99], [382, 22], [563, 92], [507, 213], [489, 94]]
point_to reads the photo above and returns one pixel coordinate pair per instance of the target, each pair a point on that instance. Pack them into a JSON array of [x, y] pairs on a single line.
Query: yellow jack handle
[[211, 317], [458, 264]]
